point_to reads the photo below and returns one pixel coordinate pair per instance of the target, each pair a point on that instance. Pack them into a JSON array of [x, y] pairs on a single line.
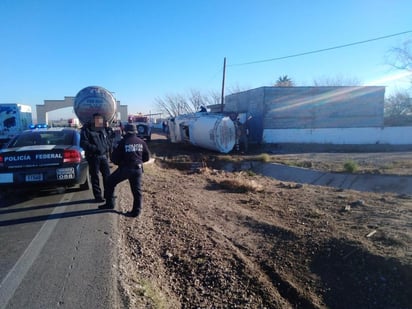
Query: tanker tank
[[94, 99], [211, 131]]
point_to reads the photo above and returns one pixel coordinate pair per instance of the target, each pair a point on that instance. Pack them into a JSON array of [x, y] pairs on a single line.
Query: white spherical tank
[[215, 132], [92, 100]]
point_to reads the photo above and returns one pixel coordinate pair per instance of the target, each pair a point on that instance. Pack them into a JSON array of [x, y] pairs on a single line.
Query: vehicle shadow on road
[[8, 199], [63, 215], [38, 207]]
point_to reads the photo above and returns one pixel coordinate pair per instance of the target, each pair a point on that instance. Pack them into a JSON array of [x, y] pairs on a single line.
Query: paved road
[[56, 252], [359, 182]]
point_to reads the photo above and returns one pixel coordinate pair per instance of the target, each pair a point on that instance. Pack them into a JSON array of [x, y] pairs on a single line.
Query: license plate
[[34, 177], [65, 173]]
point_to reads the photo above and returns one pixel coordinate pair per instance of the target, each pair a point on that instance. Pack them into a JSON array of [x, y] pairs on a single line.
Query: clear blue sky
[[142, 50]]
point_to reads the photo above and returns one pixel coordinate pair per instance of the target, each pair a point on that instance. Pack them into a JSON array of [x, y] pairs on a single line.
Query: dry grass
[[146, 289], [263, 157], [241, 186], [238, 182]]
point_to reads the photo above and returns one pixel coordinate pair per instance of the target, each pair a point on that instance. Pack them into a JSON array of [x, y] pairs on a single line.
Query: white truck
[[207, 130], [14, 118]]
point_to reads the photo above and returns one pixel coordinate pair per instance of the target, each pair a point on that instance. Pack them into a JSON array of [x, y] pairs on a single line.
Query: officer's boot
[[110, 204], [135, 212]]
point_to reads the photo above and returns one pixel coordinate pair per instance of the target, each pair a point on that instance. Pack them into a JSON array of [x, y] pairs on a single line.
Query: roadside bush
[[238, 182], [264, 157], [240, 185], [350, 166]]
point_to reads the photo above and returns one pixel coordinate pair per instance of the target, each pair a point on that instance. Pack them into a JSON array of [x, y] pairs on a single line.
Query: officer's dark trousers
[[134, 175], [98, 164]]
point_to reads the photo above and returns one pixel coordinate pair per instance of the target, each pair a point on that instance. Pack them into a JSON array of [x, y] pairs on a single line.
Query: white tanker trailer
[[92, 100], [207, 130]]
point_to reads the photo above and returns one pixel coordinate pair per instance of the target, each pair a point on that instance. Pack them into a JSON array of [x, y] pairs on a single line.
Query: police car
[[49, 157]]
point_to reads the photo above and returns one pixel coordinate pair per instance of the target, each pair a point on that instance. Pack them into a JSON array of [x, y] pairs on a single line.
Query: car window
[[28, 139], [58, 138], [43, 138], [68, 138]]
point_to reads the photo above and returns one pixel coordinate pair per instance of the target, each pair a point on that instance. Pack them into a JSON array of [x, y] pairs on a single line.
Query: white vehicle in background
[[73, 122], [207, 130], [14, 119]]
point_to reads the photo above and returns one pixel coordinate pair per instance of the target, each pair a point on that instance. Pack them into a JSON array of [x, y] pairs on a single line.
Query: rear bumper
[[67, 176]]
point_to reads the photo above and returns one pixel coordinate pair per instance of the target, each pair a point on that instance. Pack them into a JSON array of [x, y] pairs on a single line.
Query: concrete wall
[[323, 107], [312, 107], [308, 108], [361, 136], [249, 102]]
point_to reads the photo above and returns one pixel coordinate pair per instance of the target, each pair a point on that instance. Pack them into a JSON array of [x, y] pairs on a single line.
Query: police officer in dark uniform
[[129, 155], [96, 144], [111, 139]]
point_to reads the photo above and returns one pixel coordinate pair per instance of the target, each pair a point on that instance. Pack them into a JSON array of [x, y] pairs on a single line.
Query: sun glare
[[387, 79], [335, 94]]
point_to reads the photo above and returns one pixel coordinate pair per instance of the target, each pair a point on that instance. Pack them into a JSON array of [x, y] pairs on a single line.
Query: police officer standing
[[111, 135], [96, 144], [129, 155]]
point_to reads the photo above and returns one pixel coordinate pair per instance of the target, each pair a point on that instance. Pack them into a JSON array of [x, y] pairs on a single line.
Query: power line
[[320, 50]]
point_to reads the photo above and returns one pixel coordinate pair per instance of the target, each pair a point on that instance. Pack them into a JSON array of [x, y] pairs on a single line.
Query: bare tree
[[173, 105], [398, 109], [213, 98], [196, 99], [236, 89], [401, 57], [178, 104], [284, 81], [338, 80], [398, 106]]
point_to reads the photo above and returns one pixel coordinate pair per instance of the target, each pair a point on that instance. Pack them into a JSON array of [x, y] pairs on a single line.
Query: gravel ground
[[213, 239]]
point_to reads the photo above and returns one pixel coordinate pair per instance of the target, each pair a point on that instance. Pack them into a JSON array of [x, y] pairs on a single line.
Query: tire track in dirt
[[198, 244], [232, 218], [142, 276], [193, 215]]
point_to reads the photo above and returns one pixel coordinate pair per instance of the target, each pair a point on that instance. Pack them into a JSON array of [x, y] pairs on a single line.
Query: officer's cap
[[130, 128]]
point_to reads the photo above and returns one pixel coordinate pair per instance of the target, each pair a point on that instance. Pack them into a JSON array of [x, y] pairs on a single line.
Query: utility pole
[[223, 86]]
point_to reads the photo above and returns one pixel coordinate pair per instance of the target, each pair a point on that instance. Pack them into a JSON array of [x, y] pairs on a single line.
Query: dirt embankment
[[212, 239]]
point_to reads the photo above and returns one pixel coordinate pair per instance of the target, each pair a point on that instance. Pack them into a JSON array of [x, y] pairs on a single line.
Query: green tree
[[284, 81]]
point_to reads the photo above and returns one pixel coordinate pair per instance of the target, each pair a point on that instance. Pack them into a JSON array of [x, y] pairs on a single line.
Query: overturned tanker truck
[[207, 130], [92, 100]]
